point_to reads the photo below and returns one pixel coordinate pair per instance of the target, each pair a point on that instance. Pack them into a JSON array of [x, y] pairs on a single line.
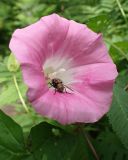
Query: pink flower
[[55, 47]]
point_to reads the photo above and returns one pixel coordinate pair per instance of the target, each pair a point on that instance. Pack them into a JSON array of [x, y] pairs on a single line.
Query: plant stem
[[89, 142], [19, 93], [122, 11]]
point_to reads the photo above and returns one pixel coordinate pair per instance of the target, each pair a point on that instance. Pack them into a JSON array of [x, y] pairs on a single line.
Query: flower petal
[[69, 108], [34, 79], [93, 73], [35, 43], [83, 46], [89, 101]]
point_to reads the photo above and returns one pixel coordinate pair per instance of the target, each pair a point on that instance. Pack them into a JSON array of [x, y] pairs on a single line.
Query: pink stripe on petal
[[58, 28], [67, 108]]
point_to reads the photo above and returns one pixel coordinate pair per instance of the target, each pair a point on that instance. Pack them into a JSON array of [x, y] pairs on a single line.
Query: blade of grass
[[122, 11]]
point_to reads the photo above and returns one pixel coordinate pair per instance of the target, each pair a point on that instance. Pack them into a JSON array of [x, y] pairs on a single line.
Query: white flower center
[[57, 67]]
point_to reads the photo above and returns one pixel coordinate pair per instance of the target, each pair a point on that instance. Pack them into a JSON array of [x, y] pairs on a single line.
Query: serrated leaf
[[46, 146], [109, 147], [12, 145], [118, 114]]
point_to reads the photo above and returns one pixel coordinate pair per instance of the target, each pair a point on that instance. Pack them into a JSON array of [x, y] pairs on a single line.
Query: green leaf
[[12, 145], [119, 51], [118, 114], [64, 146], [122, 79], [98, 23], [29, 158], [27, 120], [109, 147]]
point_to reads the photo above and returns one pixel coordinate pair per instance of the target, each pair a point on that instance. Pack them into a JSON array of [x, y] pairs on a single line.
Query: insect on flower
[[58, 85], [70, 54]]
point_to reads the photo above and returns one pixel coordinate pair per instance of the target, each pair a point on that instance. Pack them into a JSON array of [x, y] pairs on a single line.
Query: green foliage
[[122, 79], [109, 147], [119, 51], [27, 120], [30, 11], [8, 90], [9, 93], [118, 114], [42, 143], [99, 23], [47, 145], [12, 145]]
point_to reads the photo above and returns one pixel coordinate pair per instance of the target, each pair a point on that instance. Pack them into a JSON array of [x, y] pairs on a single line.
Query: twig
[[126, 87], [89, 142]]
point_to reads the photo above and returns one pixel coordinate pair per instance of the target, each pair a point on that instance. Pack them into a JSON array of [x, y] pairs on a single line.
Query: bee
[[58, 85]]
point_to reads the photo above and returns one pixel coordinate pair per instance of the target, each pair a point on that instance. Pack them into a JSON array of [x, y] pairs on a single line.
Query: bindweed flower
[[55, 48]]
